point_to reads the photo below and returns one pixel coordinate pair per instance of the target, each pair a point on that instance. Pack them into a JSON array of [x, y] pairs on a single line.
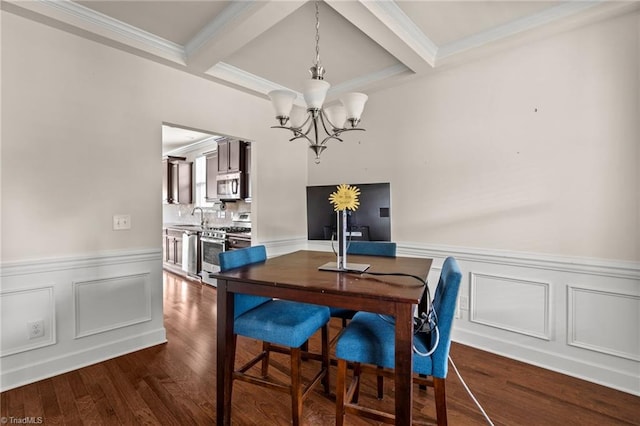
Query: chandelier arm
[[297, 134], [334, 136], [300, 135], [323, 117], [306, 121]]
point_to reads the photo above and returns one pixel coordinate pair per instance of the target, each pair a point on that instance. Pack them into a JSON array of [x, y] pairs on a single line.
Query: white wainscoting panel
[[18, 308], [604, 321], [95, 307], [512, 304], [109, 303]]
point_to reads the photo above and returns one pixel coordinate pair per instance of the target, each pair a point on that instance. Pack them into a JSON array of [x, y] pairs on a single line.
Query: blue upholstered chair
[[370, 339], [372, 248], [368, 248], [278, 322]]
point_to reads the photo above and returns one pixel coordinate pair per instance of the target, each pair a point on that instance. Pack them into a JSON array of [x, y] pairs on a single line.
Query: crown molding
[[390, 14], [242, 78], [368, 79], [517, 26], [228, 15], [78, 16]]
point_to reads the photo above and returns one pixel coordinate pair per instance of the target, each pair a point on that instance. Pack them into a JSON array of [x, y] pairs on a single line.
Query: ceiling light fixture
[[333, 120]]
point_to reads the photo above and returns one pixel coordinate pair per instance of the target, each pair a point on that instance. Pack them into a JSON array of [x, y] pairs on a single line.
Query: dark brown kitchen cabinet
[[231, 154], [177, 187], [223, 156], [212, 172], [247, 168]]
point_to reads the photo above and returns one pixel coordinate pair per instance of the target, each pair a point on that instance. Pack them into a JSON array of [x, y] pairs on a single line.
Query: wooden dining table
[[295, 276]]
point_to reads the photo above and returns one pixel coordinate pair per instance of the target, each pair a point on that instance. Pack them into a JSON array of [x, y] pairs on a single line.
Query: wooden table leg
[[404, 364], [225, 354]]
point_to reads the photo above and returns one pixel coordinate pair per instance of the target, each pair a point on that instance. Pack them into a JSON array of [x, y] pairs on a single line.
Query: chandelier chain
[[317, 35]]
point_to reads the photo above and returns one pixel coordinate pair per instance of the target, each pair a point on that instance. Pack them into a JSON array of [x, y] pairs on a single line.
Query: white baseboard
[[44, 369], [602, 374]]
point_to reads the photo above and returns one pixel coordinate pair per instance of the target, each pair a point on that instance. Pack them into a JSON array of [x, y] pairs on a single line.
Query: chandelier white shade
[[308, 124], [337, 116], [282, 101], [354, 104]]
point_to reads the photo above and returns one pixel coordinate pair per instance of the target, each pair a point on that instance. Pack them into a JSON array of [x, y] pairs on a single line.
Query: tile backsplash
[[214, 216]]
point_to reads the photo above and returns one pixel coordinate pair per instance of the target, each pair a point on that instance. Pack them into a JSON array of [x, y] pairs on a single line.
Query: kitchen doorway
[[193, 205]]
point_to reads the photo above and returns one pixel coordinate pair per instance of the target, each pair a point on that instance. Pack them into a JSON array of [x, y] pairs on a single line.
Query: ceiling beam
[[386, 24], [236, 26]]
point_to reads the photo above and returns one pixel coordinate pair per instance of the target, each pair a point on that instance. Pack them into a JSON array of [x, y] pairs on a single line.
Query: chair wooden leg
[[326, 362], [356, 373], [305, 349], [266, 346], [341, 390], [296, 386], [441, 400], [380, 380]]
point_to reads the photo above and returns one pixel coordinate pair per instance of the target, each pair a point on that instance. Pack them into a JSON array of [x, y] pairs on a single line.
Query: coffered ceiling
[[365, 45]]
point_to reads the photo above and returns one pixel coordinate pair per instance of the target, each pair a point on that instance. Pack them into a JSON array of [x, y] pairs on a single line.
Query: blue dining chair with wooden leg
[[278, 322], [369, 339]]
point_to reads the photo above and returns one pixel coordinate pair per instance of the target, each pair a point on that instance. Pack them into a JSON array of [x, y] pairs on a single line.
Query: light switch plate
[[121, 222]]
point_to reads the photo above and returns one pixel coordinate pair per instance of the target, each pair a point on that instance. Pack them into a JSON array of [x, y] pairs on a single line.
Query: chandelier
[[317, 125]]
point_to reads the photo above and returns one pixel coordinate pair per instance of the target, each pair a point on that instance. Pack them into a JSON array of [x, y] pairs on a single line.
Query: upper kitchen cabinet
[[177, 185], [247, 162], [212, 173], [231, 156]]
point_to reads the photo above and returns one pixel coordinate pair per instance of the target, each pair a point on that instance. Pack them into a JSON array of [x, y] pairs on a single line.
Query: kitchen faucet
[[201, 214]]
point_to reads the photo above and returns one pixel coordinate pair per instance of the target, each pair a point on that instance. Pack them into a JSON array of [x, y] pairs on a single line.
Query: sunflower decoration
[[346, 197]]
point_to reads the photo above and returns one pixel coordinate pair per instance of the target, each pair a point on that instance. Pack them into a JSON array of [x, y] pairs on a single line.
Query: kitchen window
[[201, 182]]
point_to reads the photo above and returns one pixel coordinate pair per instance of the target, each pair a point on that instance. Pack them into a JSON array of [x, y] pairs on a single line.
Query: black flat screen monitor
[[370, 222]]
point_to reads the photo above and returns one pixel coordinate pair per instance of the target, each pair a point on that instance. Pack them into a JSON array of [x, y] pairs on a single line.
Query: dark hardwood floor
[[174, 384]]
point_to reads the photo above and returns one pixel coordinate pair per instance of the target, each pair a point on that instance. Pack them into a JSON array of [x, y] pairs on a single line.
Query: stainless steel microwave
[[230, 186]]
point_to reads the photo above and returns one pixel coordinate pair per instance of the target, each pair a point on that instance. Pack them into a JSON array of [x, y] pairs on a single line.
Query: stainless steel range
[[238, 237], [212, 242], [216, 240]]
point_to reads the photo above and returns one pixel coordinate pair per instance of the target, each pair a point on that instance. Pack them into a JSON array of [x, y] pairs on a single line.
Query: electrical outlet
[[35, 329], [464, 303], [121, 222]]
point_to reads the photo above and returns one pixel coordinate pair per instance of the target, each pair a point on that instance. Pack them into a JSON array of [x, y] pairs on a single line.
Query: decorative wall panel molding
[[108, 303], [604, 321], [512, 304], [22, 309], [94, 306]]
